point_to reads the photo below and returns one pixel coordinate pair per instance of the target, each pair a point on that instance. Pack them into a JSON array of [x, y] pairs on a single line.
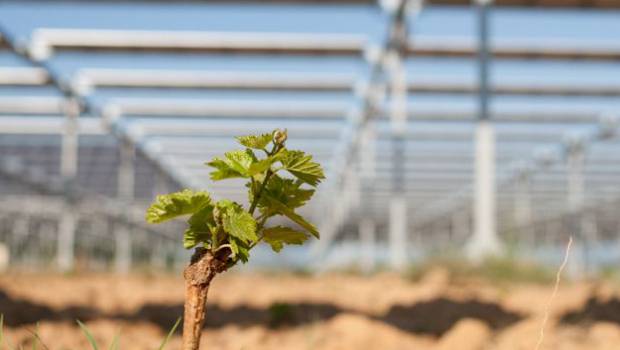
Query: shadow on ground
[[436, 316], [595, 310], [277, 315], [18, 312], [432, 317]]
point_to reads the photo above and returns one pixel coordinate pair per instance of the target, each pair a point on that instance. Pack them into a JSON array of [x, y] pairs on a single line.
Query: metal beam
[[48, 39], [39, 59], [182, 41], [92, 78], [68, 170]]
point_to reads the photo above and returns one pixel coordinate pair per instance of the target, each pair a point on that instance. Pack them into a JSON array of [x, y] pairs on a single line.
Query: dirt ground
[[339, 311]]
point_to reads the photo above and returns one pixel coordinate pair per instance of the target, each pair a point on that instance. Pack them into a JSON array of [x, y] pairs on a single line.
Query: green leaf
[[199, 230], [240, 161], [288, 191], [301, 165], [255, 141], [234, 164], [282, 209], [176, 204], [237, 222], [241, 225], [260, 166], [240, 249], [223, 170], [279, 235], [190, 239]]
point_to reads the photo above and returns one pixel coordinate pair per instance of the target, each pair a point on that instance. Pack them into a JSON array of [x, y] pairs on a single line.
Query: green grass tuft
[[36, 339], [88, 335]]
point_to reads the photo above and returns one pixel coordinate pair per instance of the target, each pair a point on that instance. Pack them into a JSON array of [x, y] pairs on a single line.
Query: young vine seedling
[[223, 232]]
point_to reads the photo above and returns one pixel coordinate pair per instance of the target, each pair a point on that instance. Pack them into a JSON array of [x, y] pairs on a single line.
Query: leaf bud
[[280, 136]]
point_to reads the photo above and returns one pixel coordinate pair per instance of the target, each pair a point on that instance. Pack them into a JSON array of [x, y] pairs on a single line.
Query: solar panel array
[[178, 81]]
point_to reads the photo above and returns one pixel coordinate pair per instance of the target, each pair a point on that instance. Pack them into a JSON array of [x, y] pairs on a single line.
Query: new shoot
[[222, 233]]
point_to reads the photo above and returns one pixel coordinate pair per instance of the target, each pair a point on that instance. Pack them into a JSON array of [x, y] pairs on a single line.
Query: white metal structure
[[429, 139]]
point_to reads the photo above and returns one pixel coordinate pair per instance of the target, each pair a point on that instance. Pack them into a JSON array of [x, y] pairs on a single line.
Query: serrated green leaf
[[176, 204], [279, 235], [288, 191], [240, 249], [260, 166], [199, 230], [301, 166], [234, 164], [192, 238], [223, 170], [237, 222], [241, 225], [282, 209], [255, 141], [240, 161]]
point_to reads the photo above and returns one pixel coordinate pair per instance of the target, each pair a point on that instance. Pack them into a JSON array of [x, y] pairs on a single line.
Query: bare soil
[[327, 312]]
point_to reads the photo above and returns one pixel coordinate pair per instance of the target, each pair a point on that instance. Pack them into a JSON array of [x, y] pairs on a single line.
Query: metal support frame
[[576, 190], [68, 171], [37, 53], [460, 227], [126, 180], [395, 42], [523, 205], [484, 241], [485, 196], [366, 225], [398, 235]]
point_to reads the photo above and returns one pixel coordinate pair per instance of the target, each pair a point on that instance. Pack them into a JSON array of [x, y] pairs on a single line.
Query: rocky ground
[[328, 312]]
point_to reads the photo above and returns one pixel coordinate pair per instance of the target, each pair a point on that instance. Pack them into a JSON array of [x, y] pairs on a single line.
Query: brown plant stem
[[204, 266]]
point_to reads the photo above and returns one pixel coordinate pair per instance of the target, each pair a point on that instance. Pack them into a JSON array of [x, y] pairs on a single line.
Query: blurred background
[[461, 140]]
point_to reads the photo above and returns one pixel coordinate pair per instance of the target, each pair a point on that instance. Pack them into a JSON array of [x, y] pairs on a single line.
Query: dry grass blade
[[558, 277]]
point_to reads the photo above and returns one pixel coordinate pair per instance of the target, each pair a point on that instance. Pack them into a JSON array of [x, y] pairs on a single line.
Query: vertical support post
[[575, 179], [19, 235], [398, 118], [68, 170], [484, 241], [460, 226], [122, 234], [161, 184], [523, 206], [575, 182], [367, 227], [590, 236], [101, 230], [368, 239]]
